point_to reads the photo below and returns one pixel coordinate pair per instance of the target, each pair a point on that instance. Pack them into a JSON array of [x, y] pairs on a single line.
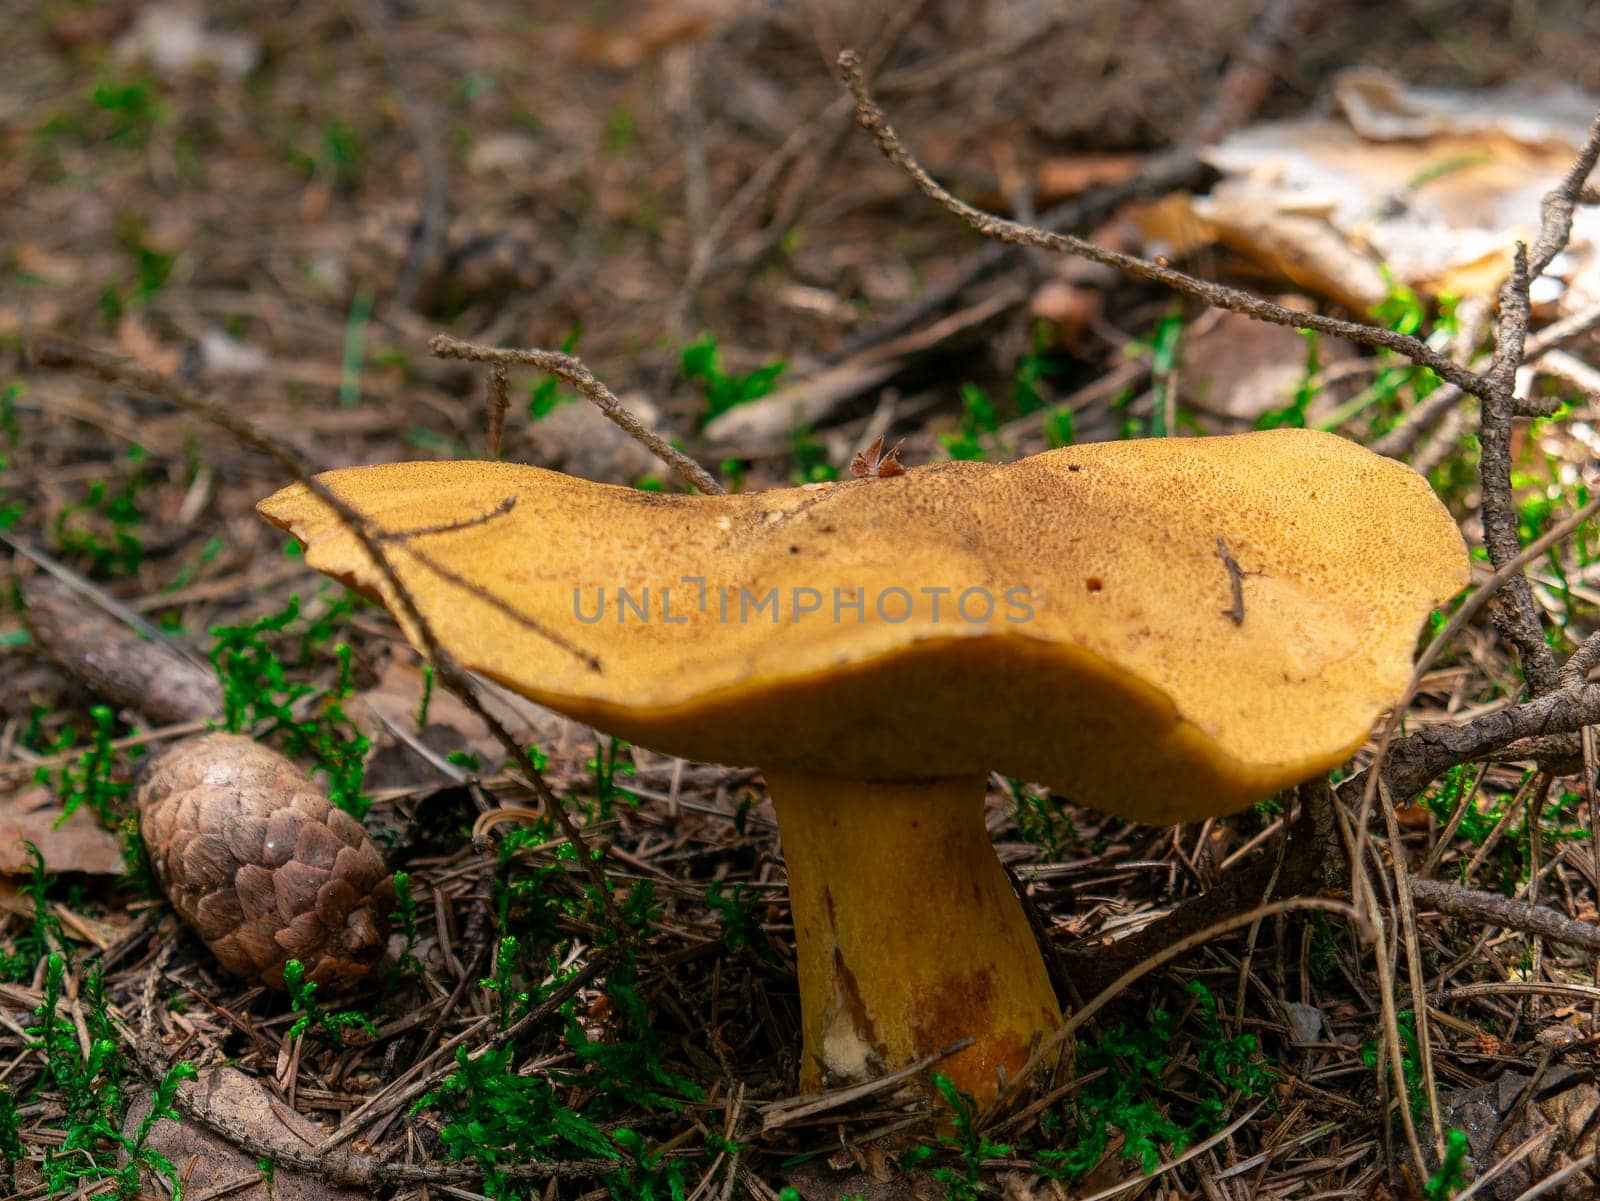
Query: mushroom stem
[[908, 933]]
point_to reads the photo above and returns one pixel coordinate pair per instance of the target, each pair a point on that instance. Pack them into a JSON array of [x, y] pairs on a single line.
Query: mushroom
[[1165, 629]]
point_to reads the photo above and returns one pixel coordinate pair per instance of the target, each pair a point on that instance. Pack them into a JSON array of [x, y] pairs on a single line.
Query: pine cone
[[258, 862]]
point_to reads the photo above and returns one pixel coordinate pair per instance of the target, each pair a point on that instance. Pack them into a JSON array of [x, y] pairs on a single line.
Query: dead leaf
[[653, 28], [580, 440], [225, 355], [79, 844], [1435, 185], [765, 425], [1240, 369], [51, 266], [210, 1165], [1061, 178], [172, 39], [1072, 308], [451, 726], [139, 342]]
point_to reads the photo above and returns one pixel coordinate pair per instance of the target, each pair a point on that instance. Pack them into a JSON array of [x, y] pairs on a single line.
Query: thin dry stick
[[499, 387], [1427, 412], [1447, 835], [1414, 967], [1555, 219], [1517, 616], [53, 352], [1555, 1180], [571, 371], [1387, 1009], [1250, 72], [1512, 1158], [1508, 726], [870, 117]]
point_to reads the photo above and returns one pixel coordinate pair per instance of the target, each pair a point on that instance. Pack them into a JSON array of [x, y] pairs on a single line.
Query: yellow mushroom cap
[[1179, 627]]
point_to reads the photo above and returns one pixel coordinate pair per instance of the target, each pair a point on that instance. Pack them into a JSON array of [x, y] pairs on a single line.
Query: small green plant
[[645, 1175], [1034, 366], [163, 1107], [963, 1181], [1452, 1173], [91, 1090], [43, 931], [131, 110], [701, 362], [1410, 1062], [1398, 383], [545, 394], [89, 779], [1556, 822], [405, 916], [624, 1067], [979, 420], [341, 155], [260, 699], [1544, 498], [303, 996], [1164, 348], [1137, 1062], [811, 459], [503, 982], [606, 768], [622, 130], [1058, 427], [355, 348], [1293, 414], [1445, 797], [1322, 956], [10, 427], [1230, 1062], [99, 531], [496, 1116], [11, 1150], [1040, 820], [97, 779], [427, 697], [1133, 1060], [736, 914]]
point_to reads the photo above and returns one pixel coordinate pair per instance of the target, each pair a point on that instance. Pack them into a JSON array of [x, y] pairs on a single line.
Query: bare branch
[[1517, 615], [870, 117], [1555, 225], [571, 371]]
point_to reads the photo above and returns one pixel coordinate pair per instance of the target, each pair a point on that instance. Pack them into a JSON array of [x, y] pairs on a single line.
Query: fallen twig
[[1493, 909], [571, 371], [871, 118], [115, 662]]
